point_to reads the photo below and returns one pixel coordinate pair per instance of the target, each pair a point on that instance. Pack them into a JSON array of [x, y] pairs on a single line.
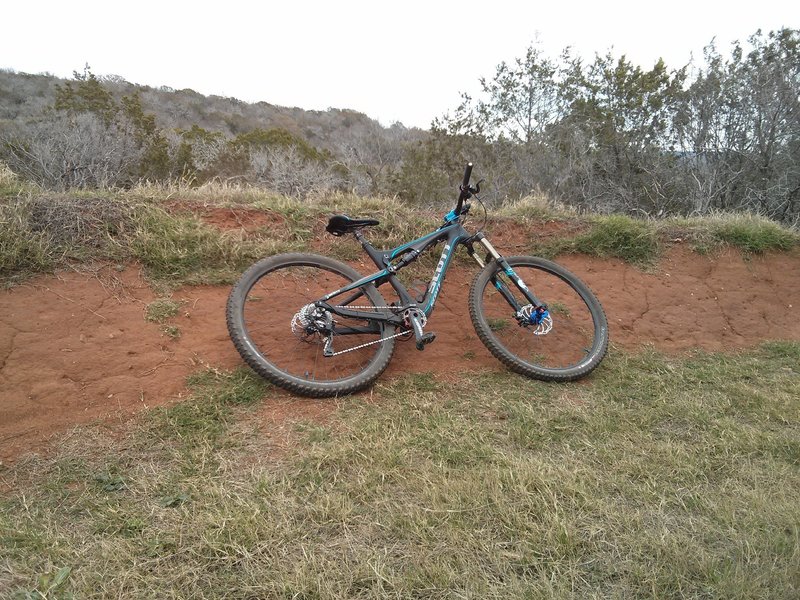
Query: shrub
[[619, 236]]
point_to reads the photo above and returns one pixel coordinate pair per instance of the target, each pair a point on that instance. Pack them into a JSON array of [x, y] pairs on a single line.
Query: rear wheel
[[566, 345], [284, 337]]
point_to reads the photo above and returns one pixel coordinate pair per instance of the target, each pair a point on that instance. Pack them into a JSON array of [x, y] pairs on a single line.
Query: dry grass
[[41, 231], [660, 477], [537, 207]]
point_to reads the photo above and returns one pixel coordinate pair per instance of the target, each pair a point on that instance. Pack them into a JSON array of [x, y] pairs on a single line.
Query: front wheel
[[568, 344], [279, 332]]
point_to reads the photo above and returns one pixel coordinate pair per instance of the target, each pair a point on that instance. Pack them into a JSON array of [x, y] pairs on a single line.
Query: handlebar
[[467, 175], [465, 191]]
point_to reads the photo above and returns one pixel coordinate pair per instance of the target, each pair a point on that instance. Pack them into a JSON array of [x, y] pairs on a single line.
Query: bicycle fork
[[535, 311]]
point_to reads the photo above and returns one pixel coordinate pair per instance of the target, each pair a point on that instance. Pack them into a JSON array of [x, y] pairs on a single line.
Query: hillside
[[606, 136], [24, 96]]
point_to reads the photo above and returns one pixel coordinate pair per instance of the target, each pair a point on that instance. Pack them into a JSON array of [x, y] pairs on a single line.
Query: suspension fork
[[498, 283]]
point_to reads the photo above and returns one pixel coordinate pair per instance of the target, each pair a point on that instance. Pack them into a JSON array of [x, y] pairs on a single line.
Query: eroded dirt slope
[[76, 348]]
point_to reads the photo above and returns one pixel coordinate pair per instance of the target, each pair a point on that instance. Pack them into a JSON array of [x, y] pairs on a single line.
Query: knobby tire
[[259, 314], [578, 340]]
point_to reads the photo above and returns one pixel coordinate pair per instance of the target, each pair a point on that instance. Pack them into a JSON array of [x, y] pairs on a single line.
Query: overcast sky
[[395, 61]]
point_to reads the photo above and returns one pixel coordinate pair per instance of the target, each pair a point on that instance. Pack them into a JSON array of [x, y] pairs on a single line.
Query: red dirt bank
[[75, 348]]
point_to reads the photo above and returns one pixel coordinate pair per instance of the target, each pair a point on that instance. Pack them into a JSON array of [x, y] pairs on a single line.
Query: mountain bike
[[316, 327]]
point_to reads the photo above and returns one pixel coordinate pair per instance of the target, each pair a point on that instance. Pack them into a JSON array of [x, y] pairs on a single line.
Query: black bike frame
[[391, 261]]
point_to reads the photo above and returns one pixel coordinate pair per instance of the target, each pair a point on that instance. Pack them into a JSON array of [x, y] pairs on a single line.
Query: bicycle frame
[[390, 262], [452, 234]]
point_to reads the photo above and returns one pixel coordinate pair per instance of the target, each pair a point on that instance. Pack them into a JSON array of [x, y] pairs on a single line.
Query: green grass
[[617, 236], [754, 235], [161, 309], [22, 251], [640, 242], [210, 409], [751, 234], [178, 250], [171, 331], [155, 225], [39, 232], [498, 324], [658, 477]]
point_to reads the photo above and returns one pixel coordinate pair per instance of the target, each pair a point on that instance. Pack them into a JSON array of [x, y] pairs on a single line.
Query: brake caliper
[[538, 316]]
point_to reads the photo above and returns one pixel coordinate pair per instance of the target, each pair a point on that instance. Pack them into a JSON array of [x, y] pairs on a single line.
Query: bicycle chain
[[372, 307], [330, 339]]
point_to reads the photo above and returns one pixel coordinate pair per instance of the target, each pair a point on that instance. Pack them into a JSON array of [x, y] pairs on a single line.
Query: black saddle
[[341, 224]]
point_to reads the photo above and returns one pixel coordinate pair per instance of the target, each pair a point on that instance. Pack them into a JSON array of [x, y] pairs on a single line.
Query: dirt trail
[[76, 348]]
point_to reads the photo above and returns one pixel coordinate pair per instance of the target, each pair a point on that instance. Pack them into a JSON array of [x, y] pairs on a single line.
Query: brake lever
[[477, 188]]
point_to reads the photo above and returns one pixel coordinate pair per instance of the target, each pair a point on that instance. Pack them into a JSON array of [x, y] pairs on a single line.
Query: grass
[[10, 184], [171, 331], [751, 234], [498, 324], [659, 477], [161, 309], [536, 208], [640, 242], [616, 236], [179, 250], [40, 232]]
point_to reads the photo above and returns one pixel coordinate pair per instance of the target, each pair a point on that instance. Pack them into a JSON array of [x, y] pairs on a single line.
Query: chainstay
[[329, 341], [371, 307]]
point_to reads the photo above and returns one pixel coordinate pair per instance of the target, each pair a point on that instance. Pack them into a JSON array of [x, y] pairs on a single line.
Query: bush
[[84, 151], [619, 236], [754, 234]]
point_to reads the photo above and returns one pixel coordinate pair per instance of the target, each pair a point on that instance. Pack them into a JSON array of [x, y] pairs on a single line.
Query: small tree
[[81, 152], [739, 128]]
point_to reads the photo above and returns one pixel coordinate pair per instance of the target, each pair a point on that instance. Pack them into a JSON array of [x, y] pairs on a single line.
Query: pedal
[[426, 339]]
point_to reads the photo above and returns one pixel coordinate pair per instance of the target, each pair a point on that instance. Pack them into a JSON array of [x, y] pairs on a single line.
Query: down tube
[[441, 269]]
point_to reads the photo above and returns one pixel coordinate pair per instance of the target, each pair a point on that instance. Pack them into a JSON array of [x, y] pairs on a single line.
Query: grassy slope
[[158, 227], [660, 477]]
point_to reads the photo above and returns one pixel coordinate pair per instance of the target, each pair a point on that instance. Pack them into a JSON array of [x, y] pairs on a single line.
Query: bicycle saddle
[[341, 224]]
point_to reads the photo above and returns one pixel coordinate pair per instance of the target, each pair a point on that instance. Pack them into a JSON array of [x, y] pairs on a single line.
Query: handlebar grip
[[467, 175]]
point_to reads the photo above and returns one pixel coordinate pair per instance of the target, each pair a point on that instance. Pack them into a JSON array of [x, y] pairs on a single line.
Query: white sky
[[395, 61]]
